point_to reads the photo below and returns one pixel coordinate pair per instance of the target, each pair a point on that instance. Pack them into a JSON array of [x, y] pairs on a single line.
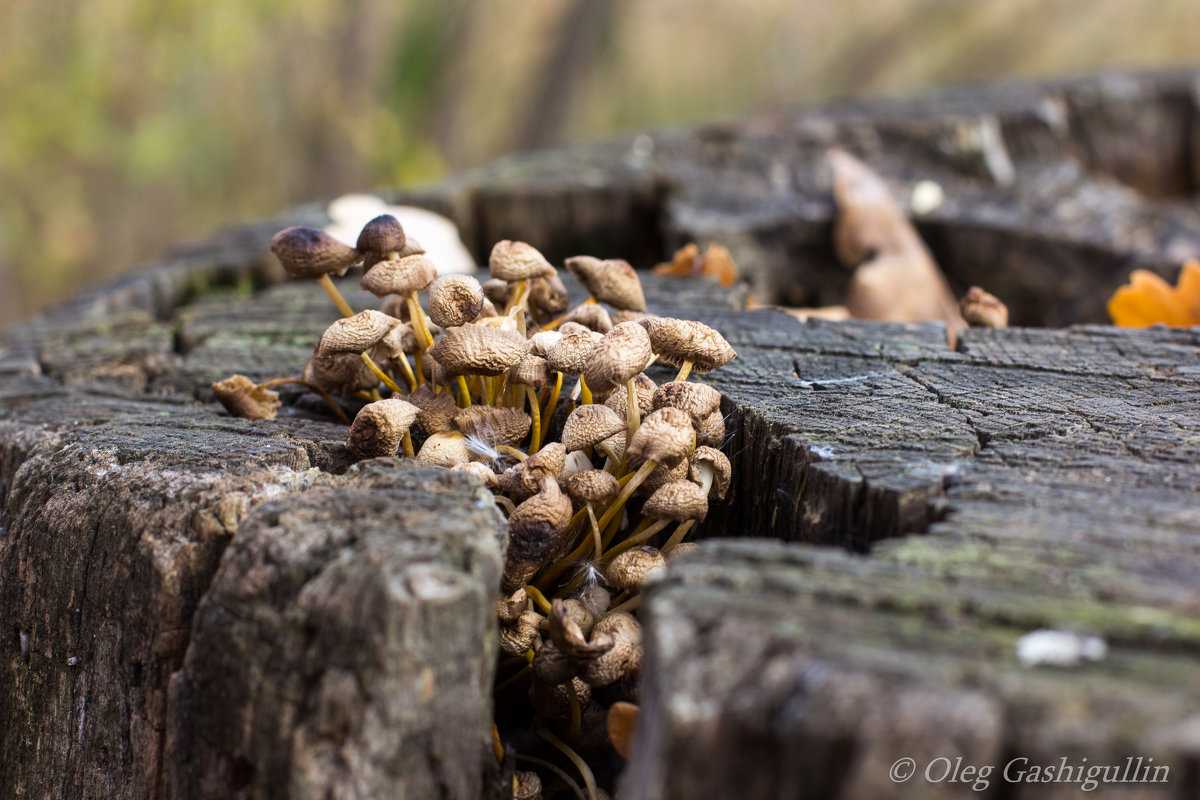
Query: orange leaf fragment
[[715, 263], [622, 722], [1149, 300]]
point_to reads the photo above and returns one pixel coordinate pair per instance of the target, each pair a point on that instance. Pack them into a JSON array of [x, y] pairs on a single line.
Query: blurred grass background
[[128, 125]]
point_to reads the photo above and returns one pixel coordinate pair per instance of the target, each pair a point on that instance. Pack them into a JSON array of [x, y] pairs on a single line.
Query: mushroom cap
[[677, 501], [494, 425], [534, 529], [678, 549], [532, 371], [635, 566], [400, 275], [567, 328], [705, 457], [679, 340], [698, 399], [593, 486], [526, 477], [610, 281], [379, 427], [662, 475], [554, 702], [591, 315], [551, 666], [614, 444], [982, 309], [589, 425], [643, 387], [575, 462], [542, 342], [339, 373], [244, 398], [445, 449], [455, 300], [479, 471], [627, 641], [629, 315], [437, 410], [510, 607], [569, 624], [399, 340], [711, 432], [549, 295], [311, 253], [478, 350], [356, 334], [665, 437], [381, 236], [517, 637], [497, 291], [571, 353], [621, 354], [518, 261], [529, 785]]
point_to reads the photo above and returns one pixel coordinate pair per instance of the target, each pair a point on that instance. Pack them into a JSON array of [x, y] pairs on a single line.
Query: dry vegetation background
[[127, 125]]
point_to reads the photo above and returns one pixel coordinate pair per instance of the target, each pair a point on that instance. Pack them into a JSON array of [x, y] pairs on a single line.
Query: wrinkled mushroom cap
[[643, 387], [619, 356], [533, 530], [571, 353], [356, 334], [379, 427], [678, 549], [340, 373], [479, 471], [478, 350], [549, 295], [517, 637], [982, 309], [510, 607], [551, 666], [697, 399], [665, 437], [542, 342], [627, 641], [445, 449], [591, 315], [311, 253], [554, 702], [588, 425], [593, 486], [381, 236], [610, 281], [532, 371], [679, 340], [575, 462], [455, 300], [711, 432], [493, 425], [243, 398], [632, 568], [569, 624], [526, 477], [677, 501], [709, 458], [399, 275], [518, 261], [663, 475], [437, 410], [529, 785]]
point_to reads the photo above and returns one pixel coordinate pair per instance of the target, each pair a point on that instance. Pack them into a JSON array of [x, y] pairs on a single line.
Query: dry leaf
[[622, 722], [1149, 300], [715, 263]]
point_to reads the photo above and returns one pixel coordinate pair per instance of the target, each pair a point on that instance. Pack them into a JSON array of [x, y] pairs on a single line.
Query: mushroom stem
[[552, 404], [334, 407], [633, 414], [336, 296], [630, 604], [535, 437], [511, 451], [554, 323], [408, 372], [643, 533], [538, 598], [464, 393], [383, 376], [585, 394], [595, 530], [417, 315], [684, 371], [679, 533], [407, 443], [642, 473], [509, 506], [589, 780], [559, 567]]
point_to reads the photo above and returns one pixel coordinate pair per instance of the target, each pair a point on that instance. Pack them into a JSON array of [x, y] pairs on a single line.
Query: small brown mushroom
[[548, 295], [981, 309], [688, 344], [381, 427], [528, 785], [711, 432], [493, 425], [517, 637], [632, 568], [676, 550], [711, 469], [479, 350], [698, 399], [571, 353], [455, 300], [542, 342], [645, 387], [533, 531], [340, 373], [551, 666], [312, 253], [445, 449], [664, 437], [610, 281], [588, 425], [379, 238], [627, 640], [437, 409], [356, 334], [518, 261], [509, 608], [242, 397], [591, 315], [554, 702], [402, 276]]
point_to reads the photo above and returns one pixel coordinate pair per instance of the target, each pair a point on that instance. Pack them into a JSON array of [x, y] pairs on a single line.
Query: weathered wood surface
[[1053, 473]]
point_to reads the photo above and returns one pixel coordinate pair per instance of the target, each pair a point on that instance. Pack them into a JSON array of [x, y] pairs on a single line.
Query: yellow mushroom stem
[[679, 533], [576, 711], [511, 451], [464, 393], [538, 598], [684, 371], [338, 300], [408, 372], [552, 573], [497, 745], [642, 473], [334, 407], [552, 404], [383, 376], [633, 414], [516, 298], [407, 444], [644, 532], [628, 605], [535, 436], [585, 394], [595, 530], [589, 780], [554, 323]]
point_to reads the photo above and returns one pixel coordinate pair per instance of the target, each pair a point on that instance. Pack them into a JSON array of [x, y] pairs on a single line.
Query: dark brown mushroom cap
[[379, 427], [399, 276], [982, 309], [517, 637], [643, 387], [445, 449], [532, 371], [706, 458], [610, 281], [356, 334], [311, 253], [494, 425], [593, 486], [551, 666], [632, 568], [437, 410], [534, 529], [244, 398], [679, 340], [518, 261], [571, 353], [665, 437], [382, 235], [554, 702], [677, 501], [588, 425], [711, 432], [480, 471], [340, 373], [697, 399], [591, 315], [525, 478], [478, 350], [549, 295], [569, 624], [619, 356], [627, 641], [455, 300]]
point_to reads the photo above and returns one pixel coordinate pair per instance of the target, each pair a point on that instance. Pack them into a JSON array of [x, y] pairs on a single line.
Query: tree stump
[[199, 606]]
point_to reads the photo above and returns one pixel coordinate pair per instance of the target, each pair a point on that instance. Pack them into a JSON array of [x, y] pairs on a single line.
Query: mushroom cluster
[[472, 382]]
